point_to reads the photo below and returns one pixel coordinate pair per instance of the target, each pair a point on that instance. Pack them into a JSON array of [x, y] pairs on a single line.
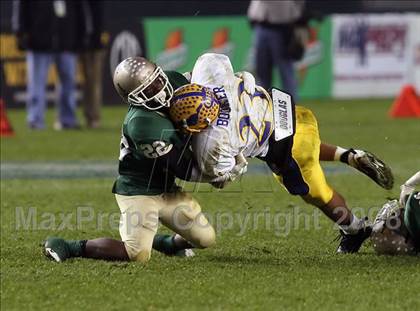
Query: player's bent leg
[[106, 249], [60, 250], [321, 195], [305, 177], [335, 208], [183, 215], [353, 231], [139, 221], [139, 224], [103, 248]]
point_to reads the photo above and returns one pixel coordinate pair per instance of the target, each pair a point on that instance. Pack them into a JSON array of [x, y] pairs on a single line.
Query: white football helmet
[[142, 83], [389, 235]]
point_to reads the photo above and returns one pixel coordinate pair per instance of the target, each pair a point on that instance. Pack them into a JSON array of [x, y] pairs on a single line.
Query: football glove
[[239, 169]]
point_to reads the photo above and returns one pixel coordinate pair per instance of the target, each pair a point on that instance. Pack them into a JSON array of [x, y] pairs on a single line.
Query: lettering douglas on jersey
[[224, 114]]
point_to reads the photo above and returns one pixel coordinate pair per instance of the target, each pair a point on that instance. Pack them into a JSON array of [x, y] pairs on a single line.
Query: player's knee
[[143, 256], [203, 231], [319, 198], [206, 238], [137, 254]]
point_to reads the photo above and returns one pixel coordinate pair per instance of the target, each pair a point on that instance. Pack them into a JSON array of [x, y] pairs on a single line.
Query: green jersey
[[146, 136], [412, 217]]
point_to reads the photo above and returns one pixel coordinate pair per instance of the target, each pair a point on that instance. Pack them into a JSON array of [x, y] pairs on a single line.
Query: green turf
[[263, 269]]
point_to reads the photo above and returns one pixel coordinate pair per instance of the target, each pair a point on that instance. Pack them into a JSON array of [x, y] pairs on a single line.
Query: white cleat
[[185, 253], [370, 165], [51, 254]]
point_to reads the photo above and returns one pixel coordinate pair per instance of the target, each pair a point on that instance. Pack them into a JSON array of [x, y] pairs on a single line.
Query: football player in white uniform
[[255, 124]]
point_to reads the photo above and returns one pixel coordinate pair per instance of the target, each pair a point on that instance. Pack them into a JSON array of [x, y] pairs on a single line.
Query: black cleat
[[373, 167], [165, 244], [56, 249], [351, 243]]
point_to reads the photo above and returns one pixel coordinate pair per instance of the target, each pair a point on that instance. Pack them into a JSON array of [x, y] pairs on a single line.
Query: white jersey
[[245, 121]]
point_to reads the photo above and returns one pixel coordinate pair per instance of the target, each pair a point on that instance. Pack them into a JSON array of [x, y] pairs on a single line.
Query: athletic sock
[[355, 225], [76, 247], [345, 155], [339, 153], [164, 243]]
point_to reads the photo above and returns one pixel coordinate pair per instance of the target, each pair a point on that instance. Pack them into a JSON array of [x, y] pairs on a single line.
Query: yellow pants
[[305, 177], [140, 215]]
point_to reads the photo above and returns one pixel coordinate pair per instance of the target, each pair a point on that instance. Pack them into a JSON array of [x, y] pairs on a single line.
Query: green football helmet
[[142, 83]]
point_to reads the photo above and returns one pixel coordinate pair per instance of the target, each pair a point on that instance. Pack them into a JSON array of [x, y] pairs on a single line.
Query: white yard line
[[104, 169]]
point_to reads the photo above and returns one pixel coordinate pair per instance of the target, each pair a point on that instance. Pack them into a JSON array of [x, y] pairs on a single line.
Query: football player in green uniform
[[152, 154], [396, 230]]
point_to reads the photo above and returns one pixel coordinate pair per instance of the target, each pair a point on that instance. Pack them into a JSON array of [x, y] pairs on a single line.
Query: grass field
[[272, 261]]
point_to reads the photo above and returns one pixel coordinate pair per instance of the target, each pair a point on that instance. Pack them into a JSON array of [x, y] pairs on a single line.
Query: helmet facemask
[[154, 93]]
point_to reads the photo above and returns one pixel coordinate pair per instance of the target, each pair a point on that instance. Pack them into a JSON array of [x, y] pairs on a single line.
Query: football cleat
[[188, 252], [56, 249], [373, 167], [165, 244], [351, 243]]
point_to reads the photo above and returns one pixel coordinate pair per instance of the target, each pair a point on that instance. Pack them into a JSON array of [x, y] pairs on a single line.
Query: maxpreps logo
[[175, 54], [220, 42]]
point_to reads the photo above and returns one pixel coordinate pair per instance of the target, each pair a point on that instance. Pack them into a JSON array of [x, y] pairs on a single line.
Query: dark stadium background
[[121, 15]]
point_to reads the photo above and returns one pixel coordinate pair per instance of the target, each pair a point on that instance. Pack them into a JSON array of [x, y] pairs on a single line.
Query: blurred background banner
[[415, 39], [373, 55], [314, 73], [347, 55], [173, 44]]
